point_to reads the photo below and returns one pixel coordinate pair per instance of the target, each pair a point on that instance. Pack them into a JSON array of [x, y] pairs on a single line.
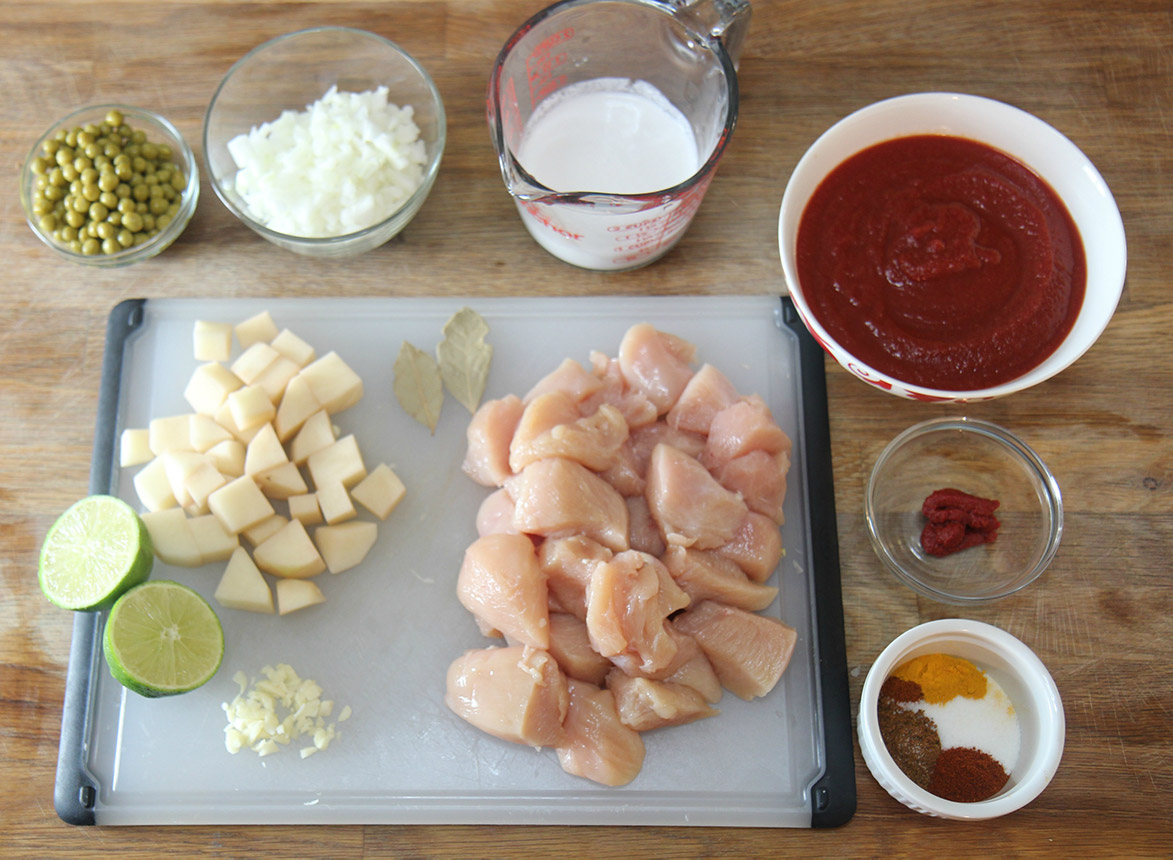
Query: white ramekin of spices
[[959, 719]]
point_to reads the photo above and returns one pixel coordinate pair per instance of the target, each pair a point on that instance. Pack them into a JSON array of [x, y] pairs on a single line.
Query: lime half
[[162, 638], [95, 551]]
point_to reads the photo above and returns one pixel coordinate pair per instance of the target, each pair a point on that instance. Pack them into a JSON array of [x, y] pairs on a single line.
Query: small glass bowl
[[158, 130], [984, 460], [293, 71], [1025, 680]]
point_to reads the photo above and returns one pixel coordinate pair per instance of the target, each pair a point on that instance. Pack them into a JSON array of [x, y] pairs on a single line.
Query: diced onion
[[345, 163]]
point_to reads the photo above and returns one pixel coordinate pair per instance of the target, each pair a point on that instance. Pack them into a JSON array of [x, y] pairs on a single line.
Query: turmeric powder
[[942, 677]]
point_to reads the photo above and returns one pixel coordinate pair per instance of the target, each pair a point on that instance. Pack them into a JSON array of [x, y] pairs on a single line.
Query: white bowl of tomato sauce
[[951, 248]]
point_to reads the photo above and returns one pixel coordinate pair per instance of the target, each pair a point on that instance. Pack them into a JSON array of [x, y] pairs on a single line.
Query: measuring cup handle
[[725, 21]]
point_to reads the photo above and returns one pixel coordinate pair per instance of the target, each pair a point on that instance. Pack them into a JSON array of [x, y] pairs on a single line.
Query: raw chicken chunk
[[515, 693], [502, 585], [707, 393], [626, 473], [557, 497], [656, 364], [593, 441], [570, 645], [643, 533], [567, 563], [495, 515], [631, 402], [747, 425], [704, 575], [688, 504], [629, 599], [598, 746], [756, 547], [695, 670], [749, 652], [489, 434], [760, 478], [644, 704], [570, 377], [540, 416], [645, 439]]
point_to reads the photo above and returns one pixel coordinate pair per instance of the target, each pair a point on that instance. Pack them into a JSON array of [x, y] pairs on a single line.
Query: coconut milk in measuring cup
[[609, 118]]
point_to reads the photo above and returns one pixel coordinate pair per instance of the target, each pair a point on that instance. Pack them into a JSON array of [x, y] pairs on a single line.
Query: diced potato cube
[[153, 488], [240, 504], [204, 432], [227, 457], [256, 328], [172, 537], [212, 341], [169, 434], [293, 347], [345, 546], [315, 434], [178, 465], [213, 542], [135, 447], [276, 378], [340, 462], [209, 387], [243, 587], [380, 491], [305, 507], [295, 594], [264, 452], [282, 481], [225, 419], [200, 483], [289, 553], [333, 383], [265, 529], [250, 407], [297, 404], [254, 361], [335, 503]]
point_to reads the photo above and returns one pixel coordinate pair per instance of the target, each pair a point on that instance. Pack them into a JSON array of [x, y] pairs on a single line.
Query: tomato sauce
[[941, 262]]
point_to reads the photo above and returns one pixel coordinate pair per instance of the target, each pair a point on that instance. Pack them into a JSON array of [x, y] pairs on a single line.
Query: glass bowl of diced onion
[[326, 141]]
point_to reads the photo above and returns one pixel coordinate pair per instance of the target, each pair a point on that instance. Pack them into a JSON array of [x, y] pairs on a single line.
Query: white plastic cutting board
[[384, 638]]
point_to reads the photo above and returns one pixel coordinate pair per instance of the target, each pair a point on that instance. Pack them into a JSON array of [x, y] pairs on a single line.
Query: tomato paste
[[941, 262], [957, 521]]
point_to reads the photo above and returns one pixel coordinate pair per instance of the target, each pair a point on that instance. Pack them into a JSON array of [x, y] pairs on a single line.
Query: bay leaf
[[418, 385], [464, 357]]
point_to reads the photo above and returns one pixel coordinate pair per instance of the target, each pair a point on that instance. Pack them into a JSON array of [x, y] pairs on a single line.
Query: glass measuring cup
[[680, 54]]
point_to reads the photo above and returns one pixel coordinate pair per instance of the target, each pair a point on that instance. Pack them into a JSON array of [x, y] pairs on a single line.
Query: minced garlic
[[254, 721]]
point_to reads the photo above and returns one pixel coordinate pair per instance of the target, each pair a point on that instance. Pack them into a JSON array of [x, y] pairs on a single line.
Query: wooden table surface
[[1099, 618]]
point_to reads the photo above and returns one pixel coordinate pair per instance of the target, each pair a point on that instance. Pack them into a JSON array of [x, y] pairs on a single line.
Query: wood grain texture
[[1100, 618]]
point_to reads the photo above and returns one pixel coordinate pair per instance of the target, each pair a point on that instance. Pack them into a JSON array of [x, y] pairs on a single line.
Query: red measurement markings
[[541, 66]]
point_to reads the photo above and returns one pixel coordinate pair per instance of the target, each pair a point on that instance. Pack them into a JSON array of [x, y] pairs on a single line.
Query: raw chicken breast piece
[[598, 746], [626, 473], [749, 652], [557, 497], [756, 546], [593, 441], [707, 393], [688, 504], [495, 514], [704, 575], [747, 425], [643, 533], [697, 672], [570, 377], [644, 704], [645, 439], [515, 693], [570, 645], [567, 563], [631, 402], [539, 416], [656, 363], [502, 585], [629, 599], [760, 478], [489, 433]]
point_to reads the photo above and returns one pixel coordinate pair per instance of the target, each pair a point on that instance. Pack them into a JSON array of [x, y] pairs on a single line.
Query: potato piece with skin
[[345, 546], [243, 587], [517, 694], [172, 537], [296, 594], [380, 492], [240, 504], [290, 553], [259, 327], [211, 341]]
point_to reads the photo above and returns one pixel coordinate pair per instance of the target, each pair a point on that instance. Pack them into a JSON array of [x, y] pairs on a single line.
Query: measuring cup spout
[[725, 21]]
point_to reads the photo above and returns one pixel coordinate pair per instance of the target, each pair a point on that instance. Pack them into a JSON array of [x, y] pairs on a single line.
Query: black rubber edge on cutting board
[[832, 794], [75, 790]]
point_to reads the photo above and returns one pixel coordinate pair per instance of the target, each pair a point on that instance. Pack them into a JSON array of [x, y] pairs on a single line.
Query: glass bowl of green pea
[[109, 185]]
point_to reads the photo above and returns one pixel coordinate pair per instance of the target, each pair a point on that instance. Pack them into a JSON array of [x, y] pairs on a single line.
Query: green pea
[[141, 191], [89, 176], [158, 205], [40, 165], [75, 246], [91, 246], [132, 221], [106, 230], [68, 234], [63, 156], [74, 218], [125, 238], [115, 218], [98, 212], [50, 147], [114, 117], [110, 246], [80, 204], [48, 223], [108, 181], [162, 221], [122, 191], [42, 205], [108, 199], [91, 192]]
